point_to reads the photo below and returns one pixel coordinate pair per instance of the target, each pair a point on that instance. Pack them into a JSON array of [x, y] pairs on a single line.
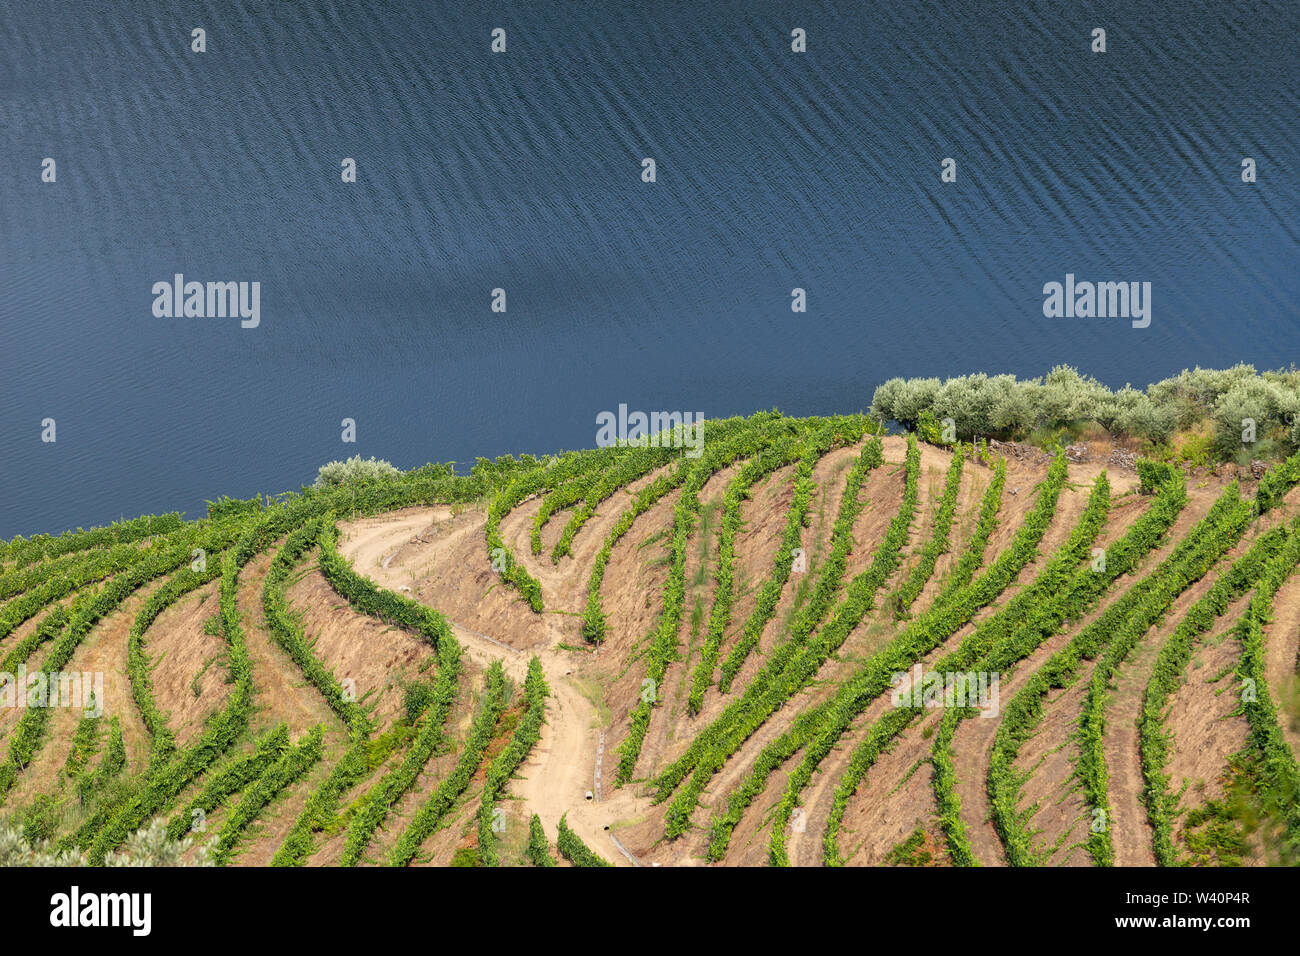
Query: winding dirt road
[[393, 550]]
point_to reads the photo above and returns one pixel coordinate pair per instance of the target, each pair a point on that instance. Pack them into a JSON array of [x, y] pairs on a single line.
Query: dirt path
[[374, 542], [560, 769]]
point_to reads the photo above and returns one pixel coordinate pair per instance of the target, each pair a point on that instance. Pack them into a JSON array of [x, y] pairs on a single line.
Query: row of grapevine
[[769, 459], [1279, 771], [111, 823], [1132, 614], [574, 850], [817, 445], [805, 620], [769, 595], [87, 569], [431, 484], [802, 664], [569, 466], [972, 558], [527, 732], [49, 628], [633, 466], [1059, 602], [1144, 608], [1276, 483], [288, 632], [323, 803], [223, 728], [85, 744], [539, 850], [857, 604], [564, 496], [352, 767], [368, 598], [113, 820], [435, 809], [1168, 674], [877, 674], [229, 779], [88, 610], [138, 665], [83, 566], [1060, 595], [910, 589], [663, 636], [290, 766], [953, 609], [44, 547], [388, 791], [593, 617], [110, 765]]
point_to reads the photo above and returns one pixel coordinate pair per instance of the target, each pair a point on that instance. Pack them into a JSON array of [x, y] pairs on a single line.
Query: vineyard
[[815, 643]]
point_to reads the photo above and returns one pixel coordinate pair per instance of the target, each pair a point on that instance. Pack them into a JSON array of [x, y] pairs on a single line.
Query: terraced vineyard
[[633, 656]]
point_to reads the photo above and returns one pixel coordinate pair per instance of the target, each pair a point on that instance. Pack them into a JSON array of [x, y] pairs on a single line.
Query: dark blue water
[[522, 171]]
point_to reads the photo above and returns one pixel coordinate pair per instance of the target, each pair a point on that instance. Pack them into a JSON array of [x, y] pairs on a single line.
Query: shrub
[[1132, 412], [1152, 475], [1066, 396], [40, 820], [1264, 402], [1201, 386], [1038, 410], [417, 695], [149, 847], [355, 471], [903, 400], [973, 401]]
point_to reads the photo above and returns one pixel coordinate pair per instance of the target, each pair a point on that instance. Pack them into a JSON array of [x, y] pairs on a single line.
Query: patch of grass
[[595, 693], [916, 850], [196, 685], [659, 535], [465, 856]]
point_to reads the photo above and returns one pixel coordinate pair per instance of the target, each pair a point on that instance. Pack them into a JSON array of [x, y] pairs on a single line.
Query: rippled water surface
[[521, 171]]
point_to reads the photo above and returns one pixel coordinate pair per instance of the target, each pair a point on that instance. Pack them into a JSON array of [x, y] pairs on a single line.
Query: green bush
[[149, 847], [1152, 476], [355, 471], [1003, 407], [1269, 405]]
